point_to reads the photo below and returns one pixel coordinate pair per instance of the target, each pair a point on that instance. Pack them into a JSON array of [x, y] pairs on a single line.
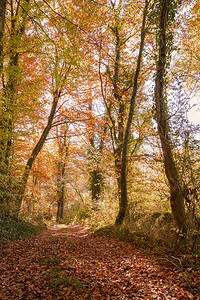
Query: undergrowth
[[187, 259], [14, 228]]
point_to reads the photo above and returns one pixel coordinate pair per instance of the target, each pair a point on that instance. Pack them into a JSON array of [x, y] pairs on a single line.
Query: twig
[[178, 266]]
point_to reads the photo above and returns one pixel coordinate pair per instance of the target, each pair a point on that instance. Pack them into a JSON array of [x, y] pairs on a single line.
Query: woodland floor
[[70, 263]]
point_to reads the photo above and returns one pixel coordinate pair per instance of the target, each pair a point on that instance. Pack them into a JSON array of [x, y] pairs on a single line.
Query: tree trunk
[[123, 172], [61, 195], [176, 197], [61, 180], [122, 205], [8, 99], [7, 103], [95, 170], [34, 154]]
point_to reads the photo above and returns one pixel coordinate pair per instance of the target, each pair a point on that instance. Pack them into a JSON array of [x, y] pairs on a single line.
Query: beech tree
[[119, 85], [52, 43], [176, 192], [18, 21], [124, 197], [22, 185]]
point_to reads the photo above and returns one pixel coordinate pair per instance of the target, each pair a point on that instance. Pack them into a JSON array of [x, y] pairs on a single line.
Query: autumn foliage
[[99, 125]]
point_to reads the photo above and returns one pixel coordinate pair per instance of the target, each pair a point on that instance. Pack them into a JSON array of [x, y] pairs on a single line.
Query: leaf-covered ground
[[69, 263]]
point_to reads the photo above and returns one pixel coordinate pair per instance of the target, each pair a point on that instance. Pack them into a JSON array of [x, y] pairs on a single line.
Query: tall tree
[[18, 21], [22, 185], [127, 130], [119, 86], [48, 41], [176, 193]]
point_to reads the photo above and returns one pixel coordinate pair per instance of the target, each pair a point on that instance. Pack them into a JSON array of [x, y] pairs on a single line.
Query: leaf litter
[[69, 263]]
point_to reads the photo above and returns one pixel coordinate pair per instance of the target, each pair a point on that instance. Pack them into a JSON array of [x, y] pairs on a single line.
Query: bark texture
[[95, 168], [61, 179], [9, 93], [18, 23], [124, 146], [177, 197], [34, 154]]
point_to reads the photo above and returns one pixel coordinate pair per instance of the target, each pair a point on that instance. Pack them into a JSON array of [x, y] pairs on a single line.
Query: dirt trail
[[69, 263]]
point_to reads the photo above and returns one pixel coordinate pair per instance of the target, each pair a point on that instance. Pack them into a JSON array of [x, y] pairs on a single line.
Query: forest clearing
[[70, 263]]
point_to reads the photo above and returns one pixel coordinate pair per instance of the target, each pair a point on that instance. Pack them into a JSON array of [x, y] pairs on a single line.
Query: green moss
[[65, 281], [50, 261], [14, 228]]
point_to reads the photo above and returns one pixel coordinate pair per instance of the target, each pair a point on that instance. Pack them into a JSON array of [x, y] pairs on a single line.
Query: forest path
[[69, 263]]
